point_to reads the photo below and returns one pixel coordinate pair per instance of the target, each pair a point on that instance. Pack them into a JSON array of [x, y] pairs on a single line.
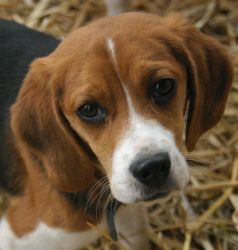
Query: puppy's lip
[[157, 195]]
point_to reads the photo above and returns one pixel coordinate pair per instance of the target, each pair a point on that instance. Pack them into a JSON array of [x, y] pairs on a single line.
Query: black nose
[[152, 171]]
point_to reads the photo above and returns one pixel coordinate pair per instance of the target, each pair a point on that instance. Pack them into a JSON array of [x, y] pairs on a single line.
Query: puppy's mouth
[[156, 196], [152, 193]]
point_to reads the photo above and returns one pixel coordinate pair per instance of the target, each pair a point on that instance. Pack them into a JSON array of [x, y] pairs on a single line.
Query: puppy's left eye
[[163, 89], [91, 112]]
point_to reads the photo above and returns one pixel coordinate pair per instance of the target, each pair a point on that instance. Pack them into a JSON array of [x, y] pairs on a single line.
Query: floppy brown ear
[[211, 86], [209, 76], [40, 126]]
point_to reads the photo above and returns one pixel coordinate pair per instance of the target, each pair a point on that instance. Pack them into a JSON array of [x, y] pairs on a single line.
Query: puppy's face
[[125, 95], [128, 89]]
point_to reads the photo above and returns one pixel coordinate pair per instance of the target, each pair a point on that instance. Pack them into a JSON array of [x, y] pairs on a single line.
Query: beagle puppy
[[105, 119]]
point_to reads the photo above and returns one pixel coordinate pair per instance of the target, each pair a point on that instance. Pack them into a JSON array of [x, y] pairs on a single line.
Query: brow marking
[[112, 52]]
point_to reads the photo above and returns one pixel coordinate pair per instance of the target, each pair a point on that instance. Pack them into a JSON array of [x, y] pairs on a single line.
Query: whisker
[[95, 186], [194, 161], [98, 207], [97, 195], [93, 190], [99, 185]]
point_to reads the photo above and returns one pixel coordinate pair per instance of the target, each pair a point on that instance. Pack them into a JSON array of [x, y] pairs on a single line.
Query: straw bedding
[[205, 215]]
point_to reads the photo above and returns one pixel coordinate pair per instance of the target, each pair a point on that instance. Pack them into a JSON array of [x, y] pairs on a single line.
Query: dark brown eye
[[91, 112], [163, 89]]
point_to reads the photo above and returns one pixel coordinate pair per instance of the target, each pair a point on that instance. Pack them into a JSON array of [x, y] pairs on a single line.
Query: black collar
[[111, 211]]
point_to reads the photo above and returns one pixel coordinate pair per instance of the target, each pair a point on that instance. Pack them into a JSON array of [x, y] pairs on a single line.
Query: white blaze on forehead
[[112, 51]]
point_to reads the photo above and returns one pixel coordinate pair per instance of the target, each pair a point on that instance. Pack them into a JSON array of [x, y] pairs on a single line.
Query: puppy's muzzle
[[152, 171]]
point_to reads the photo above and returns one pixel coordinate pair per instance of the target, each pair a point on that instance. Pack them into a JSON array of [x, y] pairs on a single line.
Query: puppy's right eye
[[163, 90], [91, 112]]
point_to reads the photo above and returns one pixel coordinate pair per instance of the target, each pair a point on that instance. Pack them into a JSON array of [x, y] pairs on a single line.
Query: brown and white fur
[[114, 62]]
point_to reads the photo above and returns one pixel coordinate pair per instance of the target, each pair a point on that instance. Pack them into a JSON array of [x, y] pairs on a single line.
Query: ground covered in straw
[[205, 216]]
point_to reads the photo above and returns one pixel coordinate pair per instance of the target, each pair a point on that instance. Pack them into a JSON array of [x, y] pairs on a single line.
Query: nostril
[[165, 165], [146, 174], [152, 171], [164, 169]]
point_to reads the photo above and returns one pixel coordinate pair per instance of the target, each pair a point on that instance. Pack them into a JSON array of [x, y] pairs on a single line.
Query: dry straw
[[205, 215]]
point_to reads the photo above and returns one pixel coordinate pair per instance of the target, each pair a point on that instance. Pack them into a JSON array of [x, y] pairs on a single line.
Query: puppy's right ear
[[209, 75], [42, 130]]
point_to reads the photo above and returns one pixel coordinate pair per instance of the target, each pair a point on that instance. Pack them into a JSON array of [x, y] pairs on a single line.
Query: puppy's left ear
[[209, 76], [42, 132]]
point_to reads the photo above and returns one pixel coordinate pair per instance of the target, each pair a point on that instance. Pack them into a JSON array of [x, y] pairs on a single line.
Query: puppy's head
[[129, 92]]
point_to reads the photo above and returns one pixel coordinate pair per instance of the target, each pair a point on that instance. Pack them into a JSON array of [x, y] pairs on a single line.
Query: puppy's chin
[[135, 192], [130, 199], [125, 196]]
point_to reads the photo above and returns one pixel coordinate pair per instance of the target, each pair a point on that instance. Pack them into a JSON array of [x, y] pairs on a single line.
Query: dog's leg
[[131, 225]]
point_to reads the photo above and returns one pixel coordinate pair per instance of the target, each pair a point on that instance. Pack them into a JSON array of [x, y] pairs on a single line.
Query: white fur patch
[[112, 51], [145, 137], [44, 238], [130, 223]]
